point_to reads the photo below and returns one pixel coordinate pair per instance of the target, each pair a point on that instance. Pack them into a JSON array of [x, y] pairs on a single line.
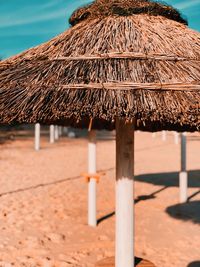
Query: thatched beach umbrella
[[124, 65]]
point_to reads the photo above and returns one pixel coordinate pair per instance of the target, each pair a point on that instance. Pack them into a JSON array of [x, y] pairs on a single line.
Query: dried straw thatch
[[132, 58], [102, 9]]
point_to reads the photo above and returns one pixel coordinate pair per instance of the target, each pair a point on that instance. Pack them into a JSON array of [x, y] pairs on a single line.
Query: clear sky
[[24, 24]]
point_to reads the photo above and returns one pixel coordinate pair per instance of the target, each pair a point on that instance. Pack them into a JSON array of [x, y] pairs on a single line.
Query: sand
[[43, 203]]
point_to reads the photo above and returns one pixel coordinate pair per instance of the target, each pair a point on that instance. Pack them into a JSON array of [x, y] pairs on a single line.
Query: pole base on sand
[[110, 262]]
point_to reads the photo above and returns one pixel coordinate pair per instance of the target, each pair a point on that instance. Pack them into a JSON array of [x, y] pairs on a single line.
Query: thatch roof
[[133, 59], [102, 9]]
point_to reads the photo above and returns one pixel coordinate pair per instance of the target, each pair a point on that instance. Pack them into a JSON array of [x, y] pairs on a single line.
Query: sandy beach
[[43, 202]]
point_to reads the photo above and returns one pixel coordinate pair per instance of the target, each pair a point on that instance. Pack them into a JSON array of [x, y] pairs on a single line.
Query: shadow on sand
[[189, 211], [137, 200], [194, 264], [169, 179]]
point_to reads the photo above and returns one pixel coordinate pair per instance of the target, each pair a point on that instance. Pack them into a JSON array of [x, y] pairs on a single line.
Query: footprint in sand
[[55, 238], [32, 242], [54, 263], [5, 264], [46, 263], [103, 238]]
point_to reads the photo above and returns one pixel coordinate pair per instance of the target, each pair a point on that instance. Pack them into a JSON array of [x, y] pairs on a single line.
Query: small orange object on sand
[[95, 176], [110, 262]]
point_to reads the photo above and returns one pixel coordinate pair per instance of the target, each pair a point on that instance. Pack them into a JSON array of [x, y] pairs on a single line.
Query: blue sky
[[24, 24]]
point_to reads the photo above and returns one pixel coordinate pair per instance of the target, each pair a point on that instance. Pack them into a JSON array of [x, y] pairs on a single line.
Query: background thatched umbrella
[[129, 64]]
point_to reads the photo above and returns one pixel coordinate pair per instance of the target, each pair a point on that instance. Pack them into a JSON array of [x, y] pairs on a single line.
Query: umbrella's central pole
[[60, 130], [37, 136], [183, 176], [124, 195], [56, 132], [52, 134], [92, 221], [176, 138], [164, 135]]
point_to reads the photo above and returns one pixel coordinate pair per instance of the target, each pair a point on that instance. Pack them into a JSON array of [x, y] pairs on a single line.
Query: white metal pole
[[92, 221], [164, 136], [124, 254], [37, 136], [56, 132], [52, 133], [176, 138], [183, 176]]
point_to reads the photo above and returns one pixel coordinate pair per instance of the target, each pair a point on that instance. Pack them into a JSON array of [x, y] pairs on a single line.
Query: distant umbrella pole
[[164, 136], [176, 138], [60, 130], [37, 136], [56, 132], [183, 176], [153, 135], [92, 220], [52, 133], [124, 250]]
